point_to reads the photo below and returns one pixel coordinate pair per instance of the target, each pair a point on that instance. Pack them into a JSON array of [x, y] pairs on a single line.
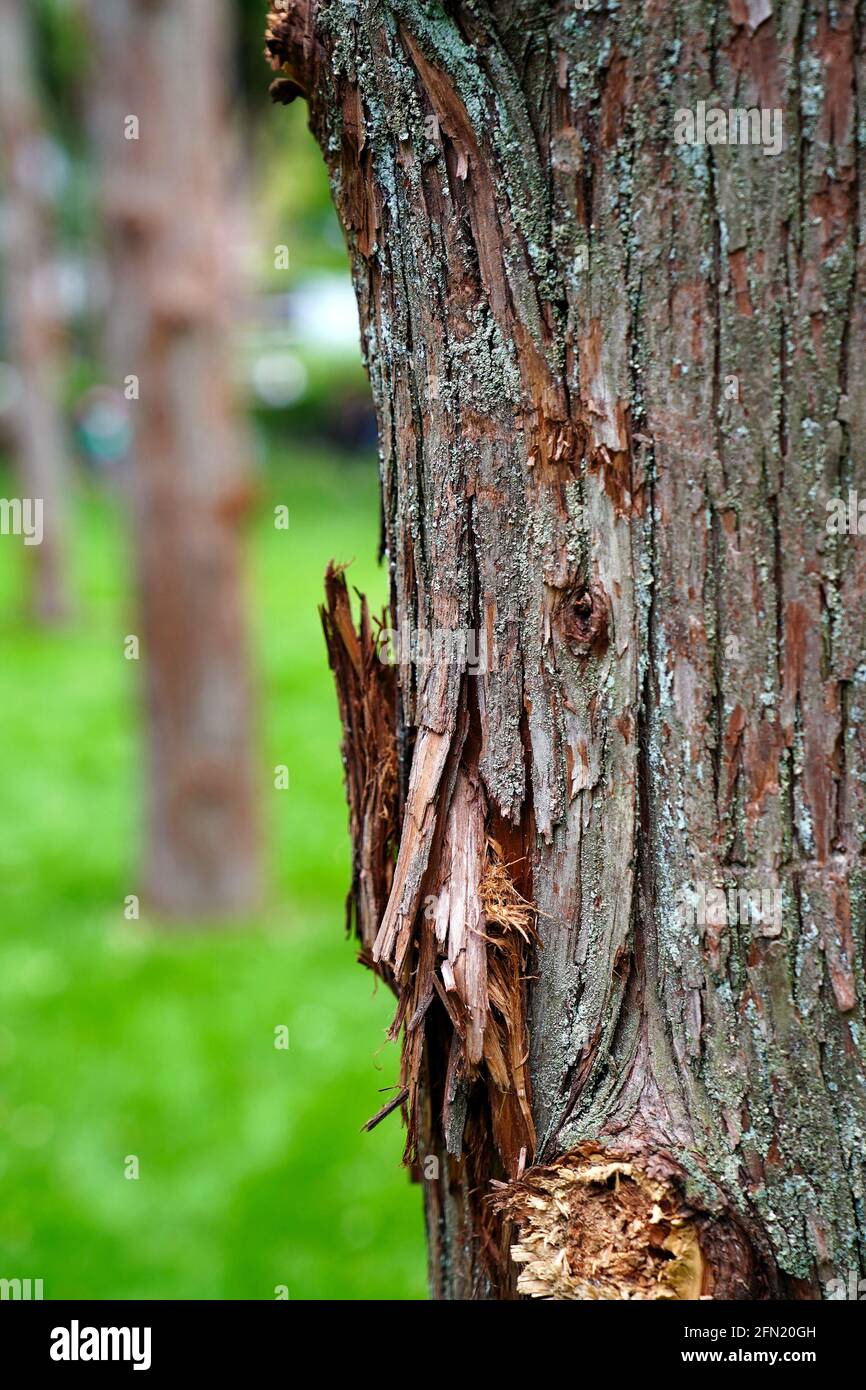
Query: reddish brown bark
[[619, 387]]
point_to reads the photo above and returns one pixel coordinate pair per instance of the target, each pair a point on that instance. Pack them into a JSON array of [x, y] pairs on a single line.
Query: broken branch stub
[[598, 1225]]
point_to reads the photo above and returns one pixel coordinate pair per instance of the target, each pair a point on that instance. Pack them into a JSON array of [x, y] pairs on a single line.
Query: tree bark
[[618, 381], [34, 323], [160, 124]]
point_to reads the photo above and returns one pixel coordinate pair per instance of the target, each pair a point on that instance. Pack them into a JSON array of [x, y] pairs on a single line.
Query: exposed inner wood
[[595, 1227]]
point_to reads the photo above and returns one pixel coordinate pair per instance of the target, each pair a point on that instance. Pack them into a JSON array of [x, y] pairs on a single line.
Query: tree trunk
[[35, 330], [619, 379], [160, 124]]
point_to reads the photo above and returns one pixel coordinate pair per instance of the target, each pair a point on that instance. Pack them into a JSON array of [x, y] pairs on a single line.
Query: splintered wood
[[593, 1226], [442, 920], [365, 691]]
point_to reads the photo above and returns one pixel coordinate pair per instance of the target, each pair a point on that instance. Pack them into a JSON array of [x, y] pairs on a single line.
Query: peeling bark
[[618, 381]]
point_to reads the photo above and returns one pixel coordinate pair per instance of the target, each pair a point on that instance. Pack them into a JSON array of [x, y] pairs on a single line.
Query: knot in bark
[[584, 614]]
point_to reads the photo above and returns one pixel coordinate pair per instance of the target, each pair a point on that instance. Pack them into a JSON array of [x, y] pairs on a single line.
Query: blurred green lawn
[[121, 1038]]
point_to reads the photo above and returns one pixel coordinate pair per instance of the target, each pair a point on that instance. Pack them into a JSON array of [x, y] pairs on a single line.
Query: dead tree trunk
[[35, 329], [159, 116], [618, 368]]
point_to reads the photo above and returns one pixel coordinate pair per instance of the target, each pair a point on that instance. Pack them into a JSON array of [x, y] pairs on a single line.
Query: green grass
[[125, 1038]]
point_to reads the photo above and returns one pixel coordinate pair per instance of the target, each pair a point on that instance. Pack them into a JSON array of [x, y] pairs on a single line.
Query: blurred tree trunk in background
[[159, 94], [619, 379], [34, 325]]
